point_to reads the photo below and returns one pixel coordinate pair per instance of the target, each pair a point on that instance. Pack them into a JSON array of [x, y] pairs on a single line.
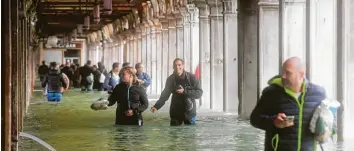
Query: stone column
[[153, 66], [216, 46], [136, 51], [269, 56], [230, 54], [120, 51], [194, 36], [127, 42], [179, 35], [293, 28], [149, 31], [345, 68], [248, 54], [143, 45], [158, 64], [204, 52], [131, 53], [322, 45], [172, 43], [186, 38], [165, 52], [109, 48], [139, 41]]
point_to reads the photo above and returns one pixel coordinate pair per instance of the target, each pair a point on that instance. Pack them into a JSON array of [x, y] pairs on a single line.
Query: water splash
[[23, 134]]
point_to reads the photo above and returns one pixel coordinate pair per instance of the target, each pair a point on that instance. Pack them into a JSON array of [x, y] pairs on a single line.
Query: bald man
[[285, 109]]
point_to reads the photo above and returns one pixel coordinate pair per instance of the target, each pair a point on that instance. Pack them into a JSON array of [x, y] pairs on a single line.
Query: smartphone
[[289, 118]]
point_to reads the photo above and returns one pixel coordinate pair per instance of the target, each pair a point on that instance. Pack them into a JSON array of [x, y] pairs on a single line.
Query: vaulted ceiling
[[62, 16]]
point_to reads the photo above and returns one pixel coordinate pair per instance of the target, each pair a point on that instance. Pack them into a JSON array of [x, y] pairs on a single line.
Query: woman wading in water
[[131, 99]]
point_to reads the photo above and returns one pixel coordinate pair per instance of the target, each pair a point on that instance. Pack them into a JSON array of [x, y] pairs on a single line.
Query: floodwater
[[73, 126]]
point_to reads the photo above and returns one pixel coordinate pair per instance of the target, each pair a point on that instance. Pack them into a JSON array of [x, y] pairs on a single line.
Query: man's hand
[[279, 121], [153, 110], [180, 91]]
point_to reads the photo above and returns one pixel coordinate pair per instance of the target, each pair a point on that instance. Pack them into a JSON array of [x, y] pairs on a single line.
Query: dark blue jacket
[[277, 99], [110, 82], [145, 77]]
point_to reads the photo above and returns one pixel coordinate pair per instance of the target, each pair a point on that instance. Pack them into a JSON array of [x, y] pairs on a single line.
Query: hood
[[277, 80]]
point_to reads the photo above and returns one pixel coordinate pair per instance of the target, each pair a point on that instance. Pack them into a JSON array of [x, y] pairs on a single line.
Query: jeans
[[87, 87], [178, 122], [54, 96]]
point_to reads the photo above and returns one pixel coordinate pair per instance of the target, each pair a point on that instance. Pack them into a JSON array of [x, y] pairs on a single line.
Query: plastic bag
[[90, 78], [102, 78], [100, 104], [324, 121], [45, 92]]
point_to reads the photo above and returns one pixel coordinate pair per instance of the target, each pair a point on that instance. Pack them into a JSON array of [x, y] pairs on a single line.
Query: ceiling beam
[[88, 3]]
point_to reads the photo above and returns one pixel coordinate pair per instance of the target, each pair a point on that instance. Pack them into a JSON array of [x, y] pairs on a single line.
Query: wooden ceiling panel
[[62, 16]]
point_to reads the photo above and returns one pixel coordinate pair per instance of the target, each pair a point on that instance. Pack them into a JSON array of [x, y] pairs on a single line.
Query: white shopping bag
[[45, 92]]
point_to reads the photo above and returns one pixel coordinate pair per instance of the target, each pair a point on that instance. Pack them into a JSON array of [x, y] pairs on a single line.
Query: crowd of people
[[126, 86]]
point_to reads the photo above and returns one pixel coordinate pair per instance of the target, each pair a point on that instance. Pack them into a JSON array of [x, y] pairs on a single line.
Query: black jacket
[[55, 81], [68, 71], [43, 70], [138, 102], [85, 71], [277, 99], [177, 108]]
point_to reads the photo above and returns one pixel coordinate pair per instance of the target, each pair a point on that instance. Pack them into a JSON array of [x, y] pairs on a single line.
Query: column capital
[[172, 23], [204, 11], [216, 8], [164, 24], [194, 13], [269, 3], [213, 3], [230, 6]]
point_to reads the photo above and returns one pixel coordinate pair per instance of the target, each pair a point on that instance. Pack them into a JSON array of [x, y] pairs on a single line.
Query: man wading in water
[[185, 89]]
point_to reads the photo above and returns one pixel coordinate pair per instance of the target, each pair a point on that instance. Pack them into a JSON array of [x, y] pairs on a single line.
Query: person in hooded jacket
[[131, 99], [290, 94], [185, 89], [55, 82]]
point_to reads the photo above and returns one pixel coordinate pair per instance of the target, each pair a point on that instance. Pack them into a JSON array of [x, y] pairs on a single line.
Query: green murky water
[[73, 126]]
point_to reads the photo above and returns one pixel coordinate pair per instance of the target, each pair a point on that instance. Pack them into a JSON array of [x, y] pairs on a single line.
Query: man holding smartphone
[[285, 109], [185, 89]]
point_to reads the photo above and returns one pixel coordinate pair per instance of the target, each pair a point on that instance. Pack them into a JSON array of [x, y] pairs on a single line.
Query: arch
[[130, 21], [136, 16], [155, 7], [125, 23], [169, 6], [162, 7]]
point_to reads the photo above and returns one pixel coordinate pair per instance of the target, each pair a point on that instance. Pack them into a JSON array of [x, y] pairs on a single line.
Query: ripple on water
[[73, 126]]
